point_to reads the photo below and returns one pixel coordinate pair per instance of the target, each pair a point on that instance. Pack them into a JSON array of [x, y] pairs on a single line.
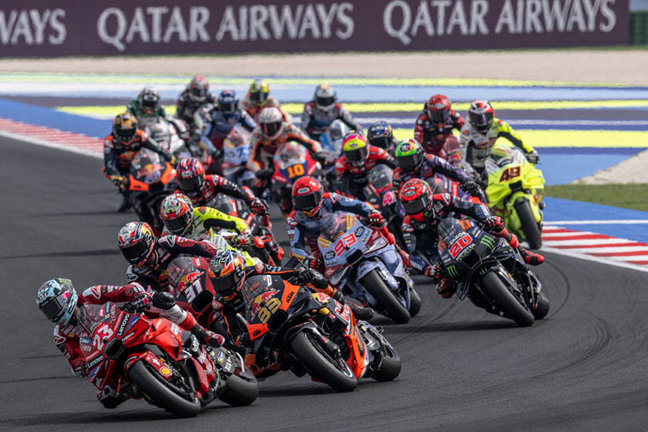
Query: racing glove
[[141, 302], [207, 337], [301, 276], [258, 206], [533, 156], [376, 219], [494, 223], [162, 300], [446, 288], [434, 272], [120, 182], [264, 174], [470, 187]]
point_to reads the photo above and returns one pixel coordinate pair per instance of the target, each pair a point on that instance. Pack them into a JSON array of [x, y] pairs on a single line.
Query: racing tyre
[[530, 227], [333, 371], [162, 392], [415, 303], [390, 365], [542, 307], [240, 390], [505, 300], [387, 301]]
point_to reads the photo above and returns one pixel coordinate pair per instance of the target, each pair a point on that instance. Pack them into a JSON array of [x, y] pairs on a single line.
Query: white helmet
[[271, 122], [325, 97]]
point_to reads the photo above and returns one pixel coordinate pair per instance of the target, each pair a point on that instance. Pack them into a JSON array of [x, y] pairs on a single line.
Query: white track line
[[592, 242], [45, 143], [599, 222]]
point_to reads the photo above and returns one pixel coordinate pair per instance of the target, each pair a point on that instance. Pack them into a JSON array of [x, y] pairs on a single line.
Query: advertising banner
[[49, 28]]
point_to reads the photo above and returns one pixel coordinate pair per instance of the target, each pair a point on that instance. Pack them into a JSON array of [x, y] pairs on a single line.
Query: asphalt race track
[[582, 368]]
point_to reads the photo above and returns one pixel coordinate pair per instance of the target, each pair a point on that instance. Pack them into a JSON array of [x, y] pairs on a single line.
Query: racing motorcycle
[[291, 161], [236, 153], [515, 191], [331, 141], [361, 261], [310, 332], [489, 272], [170, 135], [165, 364], [147, 184]]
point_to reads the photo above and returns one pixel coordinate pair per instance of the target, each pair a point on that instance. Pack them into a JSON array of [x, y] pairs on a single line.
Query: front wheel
[[387, 300], [505, 301], [528, 224], [164, 393], [331, 369]]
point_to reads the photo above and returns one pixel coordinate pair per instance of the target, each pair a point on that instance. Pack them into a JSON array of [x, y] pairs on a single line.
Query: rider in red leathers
[[434, 127], [59, 301]]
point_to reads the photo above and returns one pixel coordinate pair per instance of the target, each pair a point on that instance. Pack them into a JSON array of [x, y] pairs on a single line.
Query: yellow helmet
[[259, 92], [125, 126], [355, 147]]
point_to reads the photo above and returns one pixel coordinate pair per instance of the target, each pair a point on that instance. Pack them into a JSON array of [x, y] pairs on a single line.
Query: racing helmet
[[176, 212], [380, 134], [190, 175], [136, 242], [259, 92], [125, 128], [149, 100], [409, 155], [416, 198], [481, 115], [227, 102], [307, 196], [325, 97], [57, 299], [271, 122], [354, 147], [227, 273], [438, 109], [198, 89]]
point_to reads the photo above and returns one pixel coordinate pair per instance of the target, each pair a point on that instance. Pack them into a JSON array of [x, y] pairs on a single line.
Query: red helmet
[[438, 109], [190, 174], [416, 197], [307, 195], [480, 115], [136, 242]]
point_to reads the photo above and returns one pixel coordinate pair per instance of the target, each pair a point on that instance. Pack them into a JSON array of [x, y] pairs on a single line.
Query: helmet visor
[[197, 92], [180, 224], [270, 129], [307, 202], [416, 206], [227, 107], [356, 155], [190, 184], [381, 141], [481, 122], [54, 308], [136, 252], [325, 101], [438, 117], [126, 134], [258, 97], [410, 162], [228, 285]]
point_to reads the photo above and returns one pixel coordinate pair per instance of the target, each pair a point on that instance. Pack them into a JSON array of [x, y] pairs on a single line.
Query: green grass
[[631, 196]]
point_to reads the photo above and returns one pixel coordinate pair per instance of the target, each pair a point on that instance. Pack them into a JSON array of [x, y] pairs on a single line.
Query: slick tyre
[[390, 366], [415, 303], [240, 390], [505, 300], [542, 307], [387, 301], [530, 227], [334, 372], [158, 390]]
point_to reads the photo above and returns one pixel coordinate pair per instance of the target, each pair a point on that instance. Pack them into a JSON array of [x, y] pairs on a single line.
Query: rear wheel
[[390, 366], [505, 300], [240, 390], [387, 300], [415, 303], [542, 307], [529, 225], [333, 370], [163, 393]]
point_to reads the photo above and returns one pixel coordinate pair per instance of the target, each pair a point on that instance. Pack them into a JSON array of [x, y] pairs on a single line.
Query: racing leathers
[[351, 177], [166, 249], [71, 338], [186, 106], [145, 119], [254, 110], [214, 184], [431, 166], [264, 148], [221, 125], [316, 121], [439, 140], [476, 146]]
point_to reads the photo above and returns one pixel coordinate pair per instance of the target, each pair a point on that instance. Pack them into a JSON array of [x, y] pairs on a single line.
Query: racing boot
[[530, 257], [207, 337], [361, 313]]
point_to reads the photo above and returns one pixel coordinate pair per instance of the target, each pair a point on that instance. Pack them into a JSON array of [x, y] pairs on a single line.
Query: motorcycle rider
[[323, 110], [272, 132], [424, 211], [201, 188], [381, 134], [147, 105], [413, 162], [482, 130], [358, 158], [196, 94], [60, 303], [258, 98], [120, 147], [434, 126], [224, 116], [149, 257]]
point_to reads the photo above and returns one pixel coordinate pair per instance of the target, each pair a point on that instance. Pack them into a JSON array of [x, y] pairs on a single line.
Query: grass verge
[[630, 196]]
